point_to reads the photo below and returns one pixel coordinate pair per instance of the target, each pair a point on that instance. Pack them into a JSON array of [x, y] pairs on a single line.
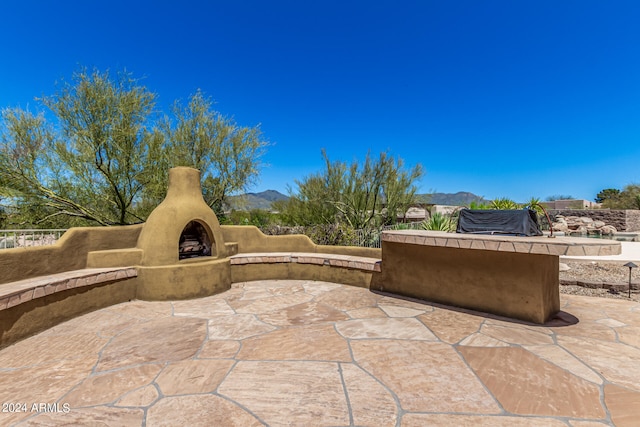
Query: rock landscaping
[[624, 220], [599, 279], [582, 225]]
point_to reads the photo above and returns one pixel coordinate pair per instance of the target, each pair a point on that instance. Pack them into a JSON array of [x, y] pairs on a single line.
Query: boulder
[[560, 220], [585, 220], [560, 226], [576, 225]]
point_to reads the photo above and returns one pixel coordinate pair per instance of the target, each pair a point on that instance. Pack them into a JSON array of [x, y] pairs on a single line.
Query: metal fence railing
[[33, 237], [372, 238]]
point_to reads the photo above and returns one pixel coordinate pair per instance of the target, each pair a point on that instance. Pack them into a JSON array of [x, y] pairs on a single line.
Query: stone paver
[[289, 353], [527, 385]]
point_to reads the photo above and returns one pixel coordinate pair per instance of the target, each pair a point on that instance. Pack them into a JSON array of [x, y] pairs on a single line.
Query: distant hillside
[[262, 200], [270, 195], [460, 198]]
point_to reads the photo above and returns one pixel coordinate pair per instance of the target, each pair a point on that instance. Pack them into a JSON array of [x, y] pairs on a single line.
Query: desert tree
[[362, 195], [608, 195], [104, 154], [227, 155], [628, 198], [92, 163]]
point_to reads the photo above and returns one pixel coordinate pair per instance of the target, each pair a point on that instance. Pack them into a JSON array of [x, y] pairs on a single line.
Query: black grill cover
[[521, 222]]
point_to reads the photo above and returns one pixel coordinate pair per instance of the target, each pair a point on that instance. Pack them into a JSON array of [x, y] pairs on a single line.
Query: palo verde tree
[[361, 195], [227, 155], [104, 157]]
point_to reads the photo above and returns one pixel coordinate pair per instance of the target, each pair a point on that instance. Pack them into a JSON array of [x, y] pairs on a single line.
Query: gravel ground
[[599, 279]]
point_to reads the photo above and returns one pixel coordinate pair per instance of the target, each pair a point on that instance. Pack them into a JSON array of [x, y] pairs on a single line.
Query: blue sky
[[501, 98]]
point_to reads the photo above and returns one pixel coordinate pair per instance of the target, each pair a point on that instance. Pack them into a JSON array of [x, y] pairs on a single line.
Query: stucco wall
[[26, 319], [251, 239], [71, 251], [517, 285], [68, 253], [187, 279], [293, 271]]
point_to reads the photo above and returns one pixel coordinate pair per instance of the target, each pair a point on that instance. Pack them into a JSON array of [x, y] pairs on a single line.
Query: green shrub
[[332, 234], [504, 203], [439, 222]]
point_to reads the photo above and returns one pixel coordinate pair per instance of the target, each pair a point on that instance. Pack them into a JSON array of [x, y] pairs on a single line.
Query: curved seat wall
[[339, 268], [44, 286], [67, 254]]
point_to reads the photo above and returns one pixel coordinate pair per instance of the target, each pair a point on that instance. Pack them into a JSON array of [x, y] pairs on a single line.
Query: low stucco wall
[[516, 285], [184, 280], [68, 253], [292, 271], [24, 320], [118, 244], [251, 239]]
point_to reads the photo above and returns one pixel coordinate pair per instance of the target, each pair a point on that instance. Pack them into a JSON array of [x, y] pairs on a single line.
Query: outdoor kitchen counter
[[570, 246], [516, 277]]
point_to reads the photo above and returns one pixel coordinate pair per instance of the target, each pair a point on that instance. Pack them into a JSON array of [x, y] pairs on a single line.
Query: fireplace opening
[[194, 241]]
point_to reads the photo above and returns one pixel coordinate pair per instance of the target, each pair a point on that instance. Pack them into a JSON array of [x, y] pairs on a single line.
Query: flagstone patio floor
[[304, 353]]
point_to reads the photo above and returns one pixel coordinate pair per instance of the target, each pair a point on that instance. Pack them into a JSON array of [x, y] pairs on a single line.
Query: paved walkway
[[301, 353]]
